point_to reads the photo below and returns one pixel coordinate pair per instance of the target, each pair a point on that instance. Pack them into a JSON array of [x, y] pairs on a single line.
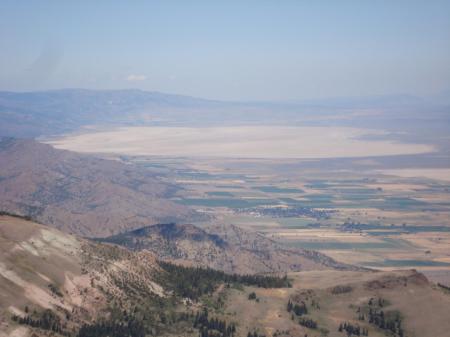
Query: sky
[[230, 50]]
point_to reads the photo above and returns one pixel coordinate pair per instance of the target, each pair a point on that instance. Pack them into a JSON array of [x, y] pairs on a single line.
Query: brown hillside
[[227, 248], [81, 194]]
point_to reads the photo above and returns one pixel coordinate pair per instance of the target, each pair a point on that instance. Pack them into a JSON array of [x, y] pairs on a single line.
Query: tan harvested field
[[387, 216], [440, 174], [424, 246], [235, 142]]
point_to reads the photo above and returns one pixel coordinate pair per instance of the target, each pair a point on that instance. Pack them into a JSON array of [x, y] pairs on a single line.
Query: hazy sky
[[228, 49]]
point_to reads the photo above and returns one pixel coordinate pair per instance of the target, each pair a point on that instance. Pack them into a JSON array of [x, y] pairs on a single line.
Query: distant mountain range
[[47, 113], [31, 114]]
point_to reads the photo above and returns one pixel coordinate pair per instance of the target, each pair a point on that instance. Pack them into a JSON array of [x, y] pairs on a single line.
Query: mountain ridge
[[227, 248], [56, 112]]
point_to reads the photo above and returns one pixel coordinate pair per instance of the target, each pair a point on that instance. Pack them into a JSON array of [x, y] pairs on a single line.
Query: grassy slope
[[423, 306]]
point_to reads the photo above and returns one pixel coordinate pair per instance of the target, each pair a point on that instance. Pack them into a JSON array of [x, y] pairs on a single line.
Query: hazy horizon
[[229, 51], [440, 95]]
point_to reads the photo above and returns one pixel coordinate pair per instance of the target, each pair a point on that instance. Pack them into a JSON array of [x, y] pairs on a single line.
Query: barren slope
[[228, 248], [43, 268], [81, 194]]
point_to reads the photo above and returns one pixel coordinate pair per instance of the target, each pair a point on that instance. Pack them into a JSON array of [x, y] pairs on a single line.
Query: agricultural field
[[363, 216]]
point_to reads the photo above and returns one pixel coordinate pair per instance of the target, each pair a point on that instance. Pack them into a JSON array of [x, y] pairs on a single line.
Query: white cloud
[[135, 77]]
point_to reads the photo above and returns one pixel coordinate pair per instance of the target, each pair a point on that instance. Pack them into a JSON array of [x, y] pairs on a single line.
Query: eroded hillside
[[42, 268], [81, 194]]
